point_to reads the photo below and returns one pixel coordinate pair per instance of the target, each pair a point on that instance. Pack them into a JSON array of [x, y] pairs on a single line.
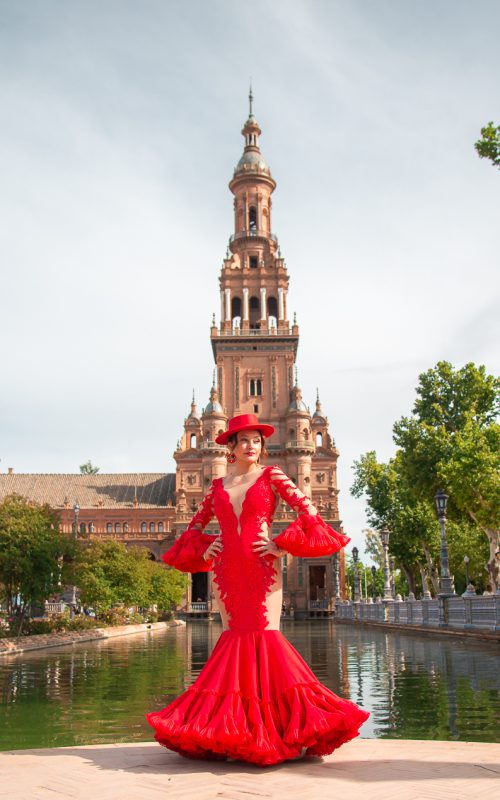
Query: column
[[227, 293], [263, 309], [245, 304], [222, 317], [281, 305]]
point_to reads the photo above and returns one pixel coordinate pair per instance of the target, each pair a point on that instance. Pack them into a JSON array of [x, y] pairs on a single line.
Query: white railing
[[477, 612], [281, 330], [199, 606], [55, 608], [253, 234], [299, 445]]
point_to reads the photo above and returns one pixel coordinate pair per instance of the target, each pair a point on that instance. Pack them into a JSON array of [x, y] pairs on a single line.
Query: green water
[[415, 687]]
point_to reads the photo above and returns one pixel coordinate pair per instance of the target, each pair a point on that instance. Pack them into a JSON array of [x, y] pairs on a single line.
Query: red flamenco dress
[[255, 699]]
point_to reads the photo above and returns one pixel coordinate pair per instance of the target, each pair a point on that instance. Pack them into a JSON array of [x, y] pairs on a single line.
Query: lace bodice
[[243, 577]]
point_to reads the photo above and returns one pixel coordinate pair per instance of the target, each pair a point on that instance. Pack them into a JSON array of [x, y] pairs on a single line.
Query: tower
[[255, 350]]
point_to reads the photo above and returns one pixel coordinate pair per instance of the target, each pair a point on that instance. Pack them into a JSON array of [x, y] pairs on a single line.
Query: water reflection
[[98, 692]]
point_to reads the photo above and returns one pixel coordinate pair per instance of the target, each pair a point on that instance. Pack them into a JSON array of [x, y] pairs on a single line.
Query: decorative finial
[[296, 376], [213, 320], [294, 317], [193, 400], [250, 99], [317, 394], [227, 252], [213, 380]]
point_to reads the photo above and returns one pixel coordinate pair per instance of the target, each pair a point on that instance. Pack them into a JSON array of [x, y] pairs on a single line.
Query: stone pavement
[[371, 769]]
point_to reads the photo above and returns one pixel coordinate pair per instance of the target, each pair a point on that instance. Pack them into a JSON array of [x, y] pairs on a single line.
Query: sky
[[119, 130]]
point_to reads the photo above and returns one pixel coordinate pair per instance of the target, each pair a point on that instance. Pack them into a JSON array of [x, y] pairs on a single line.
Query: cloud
[[119, 130]]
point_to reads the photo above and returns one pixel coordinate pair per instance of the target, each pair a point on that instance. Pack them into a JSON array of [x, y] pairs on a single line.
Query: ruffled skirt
[[256, 700]]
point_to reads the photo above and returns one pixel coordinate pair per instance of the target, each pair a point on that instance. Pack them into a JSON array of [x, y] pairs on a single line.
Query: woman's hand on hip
[[266, 546], [214, 549]]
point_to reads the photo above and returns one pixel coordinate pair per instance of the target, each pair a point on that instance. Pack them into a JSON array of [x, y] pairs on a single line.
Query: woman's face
[[248, 447]]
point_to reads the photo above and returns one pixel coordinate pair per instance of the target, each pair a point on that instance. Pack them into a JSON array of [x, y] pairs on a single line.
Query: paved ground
[[371, 769]]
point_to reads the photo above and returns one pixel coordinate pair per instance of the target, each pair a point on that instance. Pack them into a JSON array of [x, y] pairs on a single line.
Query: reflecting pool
[[416, 687]]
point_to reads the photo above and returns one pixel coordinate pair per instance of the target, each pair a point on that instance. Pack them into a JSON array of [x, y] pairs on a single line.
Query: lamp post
[[466, 562], [384, 537], [374, 572], [337, 577], [392, 565], [355, 554], [446, 586], [76, 509]]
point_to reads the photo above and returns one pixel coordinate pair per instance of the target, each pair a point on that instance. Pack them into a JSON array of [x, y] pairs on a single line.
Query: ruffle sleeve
[[186, 554], [309, 536]]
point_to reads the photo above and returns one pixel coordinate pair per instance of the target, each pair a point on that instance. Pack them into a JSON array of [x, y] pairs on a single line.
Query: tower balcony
[[253, 234], [212, 447], [297, 446], [241, 333]]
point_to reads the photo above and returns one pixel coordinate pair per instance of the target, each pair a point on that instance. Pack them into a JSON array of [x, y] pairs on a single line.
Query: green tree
[[391, 503], [88, 469], [34, 555], [107, 574], [373, 546], [452, 441], [488, 146]]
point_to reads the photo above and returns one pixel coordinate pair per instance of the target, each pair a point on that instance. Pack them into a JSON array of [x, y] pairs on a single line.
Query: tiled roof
[[116, 490]]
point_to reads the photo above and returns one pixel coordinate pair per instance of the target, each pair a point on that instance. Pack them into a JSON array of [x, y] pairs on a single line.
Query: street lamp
[[355, 554], [392, 565], [384, 537], [466, 562], [337, 577], [374, 572], [76, 510], [446, 584]]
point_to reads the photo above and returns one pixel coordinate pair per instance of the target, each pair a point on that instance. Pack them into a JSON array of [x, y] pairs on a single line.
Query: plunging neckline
[[238, 518]]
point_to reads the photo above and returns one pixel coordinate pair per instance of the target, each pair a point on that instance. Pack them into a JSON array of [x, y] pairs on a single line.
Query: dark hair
[[233, 439]]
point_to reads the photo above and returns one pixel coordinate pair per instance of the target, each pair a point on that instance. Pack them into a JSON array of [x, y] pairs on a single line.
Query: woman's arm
[[309, 535], [186, 554]]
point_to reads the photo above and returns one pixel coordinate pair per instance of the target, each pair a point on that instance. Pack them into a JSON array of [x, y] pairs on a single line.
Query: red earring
[[231, 458]]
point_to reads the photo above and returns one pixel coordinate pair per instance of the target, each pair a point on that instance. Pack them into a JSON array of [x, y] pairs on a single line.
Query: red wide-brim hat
[[244, 422]]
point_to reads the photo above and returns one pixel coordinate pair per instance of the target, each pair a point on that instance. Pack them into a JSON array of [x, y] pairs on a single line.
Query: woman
[[255, 699]]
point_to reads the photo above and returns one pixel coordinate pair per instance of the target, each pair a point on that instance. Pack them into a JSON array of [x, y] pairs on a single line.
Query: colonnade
[[226, 298]]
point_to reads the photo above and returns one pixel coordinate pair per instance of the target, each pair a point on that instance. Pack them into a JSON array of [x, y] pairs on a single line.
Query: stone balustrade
[[471, 613]]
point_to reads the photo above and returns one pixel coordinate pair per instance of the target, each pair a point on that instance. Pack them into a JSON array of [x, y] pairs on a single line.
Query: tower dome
[[213, 406]]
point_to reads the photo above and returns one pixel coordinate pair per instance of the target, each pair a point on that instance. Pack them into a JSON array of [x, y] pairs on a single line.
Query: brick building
[[255, 350]]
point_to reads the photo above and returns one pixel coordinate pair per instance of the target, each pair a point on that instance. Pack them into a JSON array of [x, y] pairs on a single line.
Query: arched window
[[292, 433], [254, 312], [272, 307], [109, 527], [151, 527], [83, 527], [236, 312], [125, 527], [91, 527], [306, 433], [192, 441], [255, 387], [118, 527], [319, 439], [160, 527], [144, 527], [252, 219], [235, 307]]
